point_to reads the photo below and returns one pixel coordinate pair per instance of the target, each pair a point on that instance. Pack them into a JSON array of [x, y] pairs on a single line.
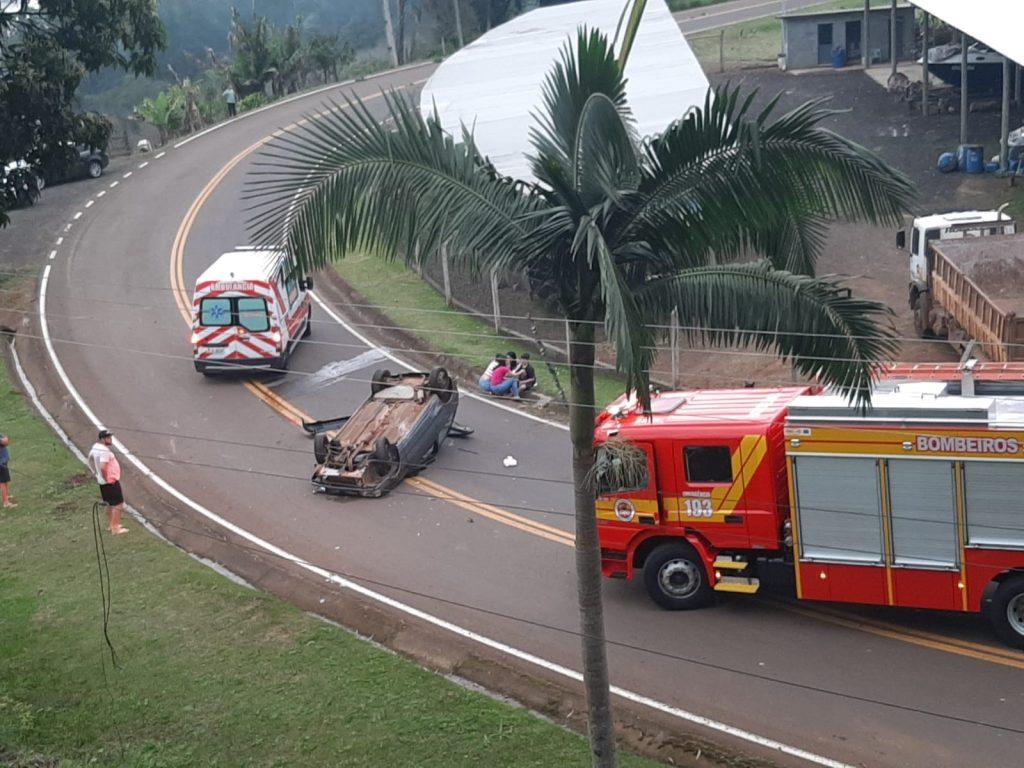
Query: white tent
[[999, 24], [494, 84]]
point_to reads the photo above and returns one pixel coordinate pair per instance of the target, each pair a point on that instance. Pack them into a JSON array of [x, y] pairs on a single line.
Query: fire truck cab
[[916, 502]]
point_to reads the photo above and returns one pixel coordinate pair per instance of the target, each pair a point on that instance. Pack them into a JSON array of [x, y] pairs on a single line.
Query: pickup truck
[[967, 281]]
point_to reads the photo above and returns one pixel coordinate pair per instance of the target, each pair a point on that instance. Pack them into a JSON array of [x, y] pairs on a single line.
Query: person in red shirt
[[504, 381], [104, 466]]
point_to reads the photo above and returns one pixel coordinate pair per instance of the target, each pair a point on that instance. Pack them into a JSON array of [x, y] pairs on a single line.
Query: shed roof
[[990, 21], [494, 84], [843, 11]]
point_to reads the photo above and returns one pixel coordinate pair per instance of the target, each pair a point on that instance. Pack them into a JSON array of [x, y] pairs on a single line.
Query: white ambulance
[[249, 310]]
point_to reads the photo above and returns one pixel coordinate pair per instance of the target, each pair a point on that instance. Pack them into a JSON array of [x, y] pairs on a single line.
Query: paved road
[[723, 14], [119, 334]]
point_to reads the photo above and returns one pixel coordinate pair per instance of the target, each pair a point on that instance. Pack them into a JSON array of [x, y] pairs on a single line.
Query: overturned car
[[395, 433]]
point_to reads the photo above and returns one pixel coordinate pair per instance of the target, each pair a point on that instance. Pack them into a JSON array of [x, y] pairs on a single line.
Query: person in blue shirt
[[5, 472]]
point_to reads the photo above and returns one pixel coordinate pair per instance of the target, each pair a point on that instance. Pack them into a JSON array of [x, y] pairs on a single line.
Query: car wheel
[[676, 578], [385, 458], [40, 183], [1006, 612], [95, 169], [439, 382], [309, 325], [320, 447], [379, 380]]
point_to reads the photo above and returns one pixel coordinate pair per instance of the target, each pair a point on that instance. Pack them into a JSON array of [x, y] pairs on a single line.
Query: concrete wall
[[800, 36]]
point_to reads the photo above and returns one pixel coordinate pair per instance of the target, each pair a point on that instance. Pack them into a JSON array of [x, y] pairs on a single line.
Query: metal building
[[814, 38]]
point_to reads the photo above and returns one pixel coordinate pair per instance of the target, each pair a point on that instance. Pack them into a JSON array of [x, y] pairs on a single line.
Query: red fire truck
[[918, 502]]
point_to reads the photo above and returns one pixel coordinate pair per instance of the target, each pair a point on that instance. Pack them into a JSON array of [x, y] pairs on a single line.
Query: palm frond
[[729, 177], [814, 324], [345, 182]]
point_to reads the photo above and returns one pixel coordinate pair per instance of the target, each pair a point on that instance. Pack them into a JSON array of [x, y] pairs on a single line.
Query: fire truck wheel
[[320, 447], [379, 380], [1006, 612], [676, 579]]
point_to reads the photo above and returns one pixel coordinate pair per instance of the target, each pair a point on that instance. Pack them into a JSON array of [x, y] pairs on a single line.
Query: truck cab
[[712, 496]]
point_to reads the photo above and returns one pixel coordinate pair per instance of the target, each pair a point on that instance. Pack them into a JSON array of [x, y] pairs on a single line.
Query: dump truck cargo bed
[[980, 283]]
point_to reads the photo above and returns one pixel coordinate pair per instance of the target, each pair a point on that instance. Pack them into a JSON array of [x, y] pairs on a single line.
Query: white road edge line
[[114, 184], [90, 204], [60, 240], [161, 154], [101, 193], [126, 174], [53, 255], [359, 589], [143, 165], [77, 216]]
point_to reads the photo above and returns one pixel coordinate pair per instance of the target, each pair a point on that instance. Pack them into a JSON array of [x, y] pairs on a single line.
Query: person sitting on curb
[[485, 377], [5, 472], [525, 373], [504, 381]]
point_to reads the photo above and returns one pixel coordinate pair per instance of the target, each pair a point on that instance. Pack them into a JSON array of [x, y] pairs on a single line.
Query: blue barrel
[[991, 167], [972, 158], [838, 58], [947, 162]]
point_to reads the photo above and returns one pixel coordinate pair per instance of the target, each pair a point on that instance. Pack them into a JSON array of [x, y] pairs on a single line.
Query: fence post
[[444, 275], [568, 343], [674, 344], [721, 50], [494, 299]]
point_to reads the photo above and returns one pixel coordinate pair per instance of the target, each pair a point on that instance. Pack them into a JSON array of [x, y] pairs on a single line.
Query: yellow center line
[[296, 416]]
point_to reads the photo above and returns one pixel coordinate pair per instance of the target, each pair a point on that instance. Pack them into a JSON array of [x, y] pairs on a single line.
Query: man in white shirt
[[230, 97], [107, 470]]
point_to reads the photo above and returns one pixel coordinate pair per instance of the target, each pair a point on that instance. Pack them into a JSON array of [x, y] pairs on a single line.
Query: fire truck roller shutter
[[995, 515], [922, 495], [839, 509]]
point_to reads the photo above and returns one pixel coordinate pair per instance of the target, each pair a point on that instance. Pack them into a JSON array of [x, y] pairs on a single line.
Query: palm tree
[[624, 230]]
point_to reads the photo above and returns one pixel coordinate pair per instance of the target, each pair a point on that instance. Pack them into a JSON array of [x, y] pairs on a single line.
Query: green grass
[[212, 674], [409, 302], [1015, 198], [751, 43]]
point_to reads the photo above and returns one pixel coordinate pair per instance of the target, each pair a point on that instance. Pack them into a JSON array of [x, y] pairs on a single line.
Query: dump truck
[[967, 281], [914, 503]]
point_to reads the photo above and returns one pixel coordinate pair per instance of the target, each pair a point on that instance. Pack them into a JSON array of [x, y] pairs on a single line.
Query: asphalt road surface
[[870, 688], [723, 14]]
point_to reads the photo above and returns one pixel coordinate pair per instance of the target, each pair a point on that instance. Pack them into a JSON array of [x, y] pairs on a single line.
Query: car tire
[[440, 382], [40, 182], [95, 169], [320, 447], [386, 458], [309, 325], [1006, 611], [379, 380], [676, 578]]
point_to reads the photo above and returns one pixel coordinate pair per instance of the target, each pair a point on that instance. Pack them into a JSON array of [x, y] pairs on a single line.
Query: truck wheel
[[379, 380], [320, 447], [1006, 612], [676, 579], [439, 382]]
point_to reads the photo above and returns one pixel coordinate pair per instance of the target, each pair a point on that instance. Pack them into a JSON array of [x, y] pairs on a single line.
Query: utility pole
[[389, 31], [924, 66], [892, 36], [458, 22], [964, 105], [864, 36]]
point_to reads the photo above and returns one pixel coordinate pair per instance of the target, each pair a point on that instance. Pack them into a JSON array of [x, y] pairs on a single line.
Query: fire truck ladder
[[738, 579]]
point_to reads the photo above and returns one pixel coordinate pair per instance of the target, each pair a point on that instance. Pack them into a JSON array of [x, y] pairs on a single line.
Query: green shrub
[[252, 101]]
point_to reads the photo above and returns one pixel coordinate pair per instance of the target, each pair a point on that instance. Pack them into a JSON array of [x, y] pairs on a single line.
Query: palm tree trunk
[[389, 31], [588, 553]]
